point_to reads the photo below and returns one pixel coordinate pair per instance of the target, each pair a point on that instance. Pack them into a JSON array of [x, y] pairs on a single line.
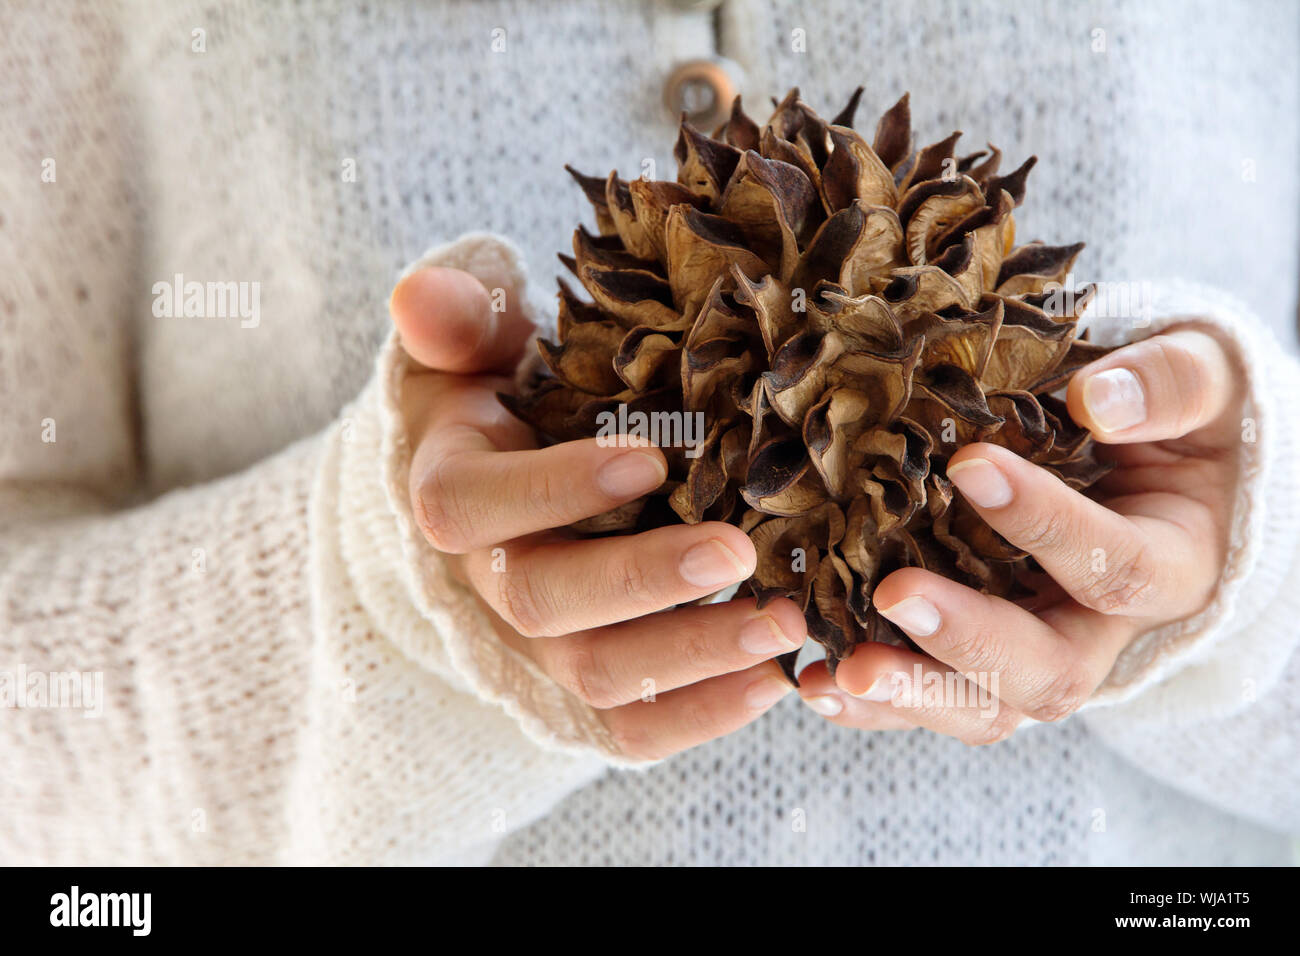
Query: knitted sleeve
[[1209, 703], [438, 620], [1191, 702], [262, 669]]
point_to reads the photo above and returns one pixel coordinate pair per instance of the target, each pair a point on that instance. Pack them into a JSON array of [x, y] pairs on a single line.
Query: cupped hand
[[1148, 551], [592, 614]]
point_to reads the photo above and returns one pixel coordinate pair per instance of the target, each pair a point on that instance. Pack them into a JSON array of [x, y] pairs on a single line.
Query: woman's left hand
[[1149, 551]]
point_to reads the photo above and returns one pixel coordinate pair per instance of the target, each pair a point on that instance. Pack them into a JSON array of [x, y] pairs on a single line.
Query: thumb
[[1164, 387], [448, 322]]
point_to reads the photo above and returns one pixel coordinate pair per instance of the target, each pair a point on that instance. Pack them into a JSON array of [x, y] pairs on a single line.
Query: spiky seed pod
[[845, 316]]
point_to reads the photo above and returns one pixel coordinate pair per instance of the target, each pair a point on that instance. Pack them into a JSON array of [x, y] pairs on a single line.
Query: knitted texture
[[290, 675]]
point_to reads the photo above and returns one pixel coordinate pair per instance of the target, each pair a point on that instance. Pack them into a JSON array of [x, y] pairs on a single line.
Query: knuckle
[[521, 606], [1044, 530], [630, 578], [1064, 694], [700, 721], [694, 649], [540, 494], [995, 729], [580, 670], [439, 513], [1123, 587], [976, 649], [631, 737]]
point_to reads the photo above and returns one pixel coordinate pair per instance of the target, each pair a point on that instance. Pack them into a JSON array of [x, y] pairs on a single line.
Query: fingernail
[[763, 635], [630, 474], [764, 693], [881, 689], [981, 481], [1115, 400], [915, 615], [711, 564], [826, 705]]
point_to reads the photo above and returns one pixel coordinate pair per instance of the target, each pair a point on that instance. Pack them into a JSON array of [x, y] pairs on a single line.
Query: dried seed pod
[[844, 316]]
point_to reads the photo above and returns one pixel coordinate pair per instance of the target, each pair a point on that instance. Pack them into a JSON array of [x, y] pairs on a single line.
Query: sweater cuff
[[406, 585], [1190, 669]]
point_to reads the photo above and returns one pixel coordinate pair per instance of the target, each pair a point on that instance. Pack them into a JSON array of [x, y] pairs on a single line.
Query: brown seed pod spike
[[843, 316]]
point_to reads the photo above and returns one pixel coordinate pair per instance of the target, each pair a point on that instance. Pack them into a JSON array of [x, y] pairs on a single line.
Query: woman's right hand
[[584, 610]]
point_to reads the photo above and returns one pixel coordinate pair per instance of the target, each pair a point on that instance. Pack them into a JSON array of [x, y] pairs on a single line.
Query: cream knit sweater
[[206, 516]]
